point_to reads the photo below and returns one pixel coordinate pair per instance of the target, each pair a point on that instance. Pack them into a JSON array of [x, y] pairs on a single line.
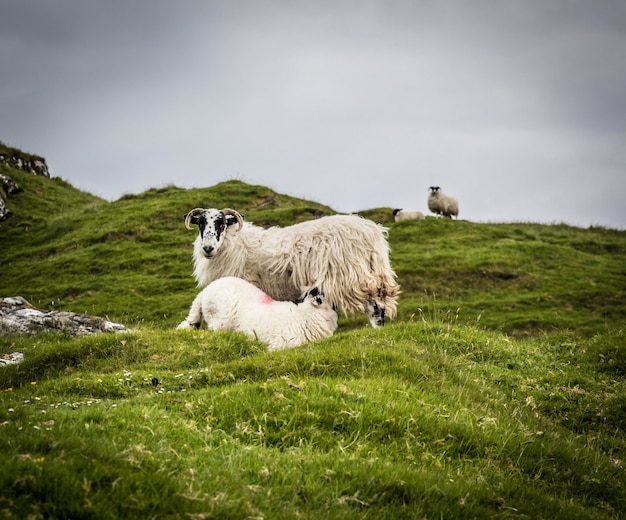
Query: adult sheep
[[347, 255], [399, 215], [442, 204], [231, 303]]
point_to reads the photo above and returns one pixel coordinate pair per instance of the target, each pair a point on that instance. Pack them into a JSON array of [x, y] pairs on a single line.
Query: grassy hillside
[[498, 391], [120, 259], [130, 259]]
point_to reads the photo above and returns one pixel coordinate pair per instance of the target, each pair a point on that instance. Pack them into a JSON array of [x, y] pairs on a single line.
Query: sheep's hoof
[[185, 325]]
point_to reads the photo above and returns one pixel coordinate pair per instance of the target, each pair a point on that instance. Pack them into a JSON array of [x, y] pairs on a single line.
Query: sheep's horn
[[228, 211], [192, 213]]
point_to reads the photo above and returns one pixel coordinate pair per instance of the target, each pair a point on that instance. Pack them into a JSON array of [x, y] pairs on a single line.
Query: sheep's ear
[[231, 219], [193, 220]]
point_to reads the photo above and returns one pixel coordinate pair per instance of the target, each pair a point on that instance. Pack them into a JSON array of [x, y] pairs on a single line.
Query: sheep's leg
[[187, 325], [375, 314], [194, 318]]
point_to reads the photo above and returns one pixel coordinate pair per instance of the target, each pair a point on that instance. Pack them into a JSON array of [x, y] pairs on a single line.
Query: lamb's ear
[[304, 295]]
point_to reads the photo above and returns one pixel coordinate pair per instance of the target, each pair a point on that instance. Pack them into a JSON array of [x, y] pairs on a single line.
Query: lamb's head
[[434, 190], [314, 304], [314, 296], [212, 224]]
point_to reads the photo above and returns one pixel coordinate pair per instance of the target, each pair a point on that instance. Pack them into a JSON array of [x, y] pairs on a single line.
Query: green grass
[[417, 420], [498, 392]]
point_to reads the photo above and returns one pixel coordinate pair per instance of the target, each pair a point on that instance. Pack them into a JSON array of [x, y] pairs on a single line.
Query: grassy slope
[[438, 414]]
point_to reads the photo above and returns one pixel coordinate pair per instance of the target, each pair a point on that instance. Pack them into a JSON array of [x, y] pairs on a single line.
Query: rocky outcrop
[[17, 316], [5, 212], [17, 160], [7, 187], [28, 164]]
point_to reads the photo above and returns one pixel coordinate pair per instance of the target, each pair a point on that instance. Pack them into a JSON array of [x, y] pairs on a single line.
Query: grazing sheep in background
[[442, 204], [231, 303], [399, 215], [347, 255]]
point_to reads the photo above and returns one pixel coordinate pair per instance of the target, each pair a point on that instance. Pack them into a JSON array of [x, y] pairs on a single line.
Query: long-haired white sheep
[[442, 204], [347, 255], [399, 215], [231, 303]]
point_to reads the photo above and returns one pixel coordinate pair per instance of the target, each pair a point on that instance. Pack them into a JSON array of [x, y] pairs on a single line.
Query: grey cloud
[[356, 104]]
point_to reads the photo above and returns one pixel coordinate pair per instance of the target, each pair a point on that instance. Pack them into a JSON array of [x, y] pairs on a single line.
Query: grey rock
[[17, 316]]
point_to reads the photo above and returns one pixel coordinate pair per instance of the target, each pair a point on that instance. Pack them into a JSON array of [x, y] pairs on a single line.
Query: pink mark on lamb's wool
[[266, 299]]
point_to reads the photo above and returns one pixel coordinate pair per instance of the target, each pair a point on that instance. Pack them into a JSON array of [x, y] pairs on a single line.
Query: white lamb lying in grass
[[232, 303]]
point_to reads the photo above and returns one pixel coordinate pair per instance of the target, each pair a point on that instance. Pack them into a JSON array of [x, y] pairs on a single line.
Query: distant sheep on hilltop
[[400, 215], [442, 204]]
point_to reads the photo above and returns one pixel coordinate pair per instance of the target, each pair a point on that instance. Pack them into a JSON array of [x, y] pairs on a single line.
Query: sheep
[[231, 303], [347, 255], [399, 214], [442, 204]]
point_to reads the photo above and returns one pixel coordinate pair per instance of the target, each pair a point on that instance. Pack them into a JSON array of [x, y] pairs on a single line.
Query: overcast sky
[[516, 107]]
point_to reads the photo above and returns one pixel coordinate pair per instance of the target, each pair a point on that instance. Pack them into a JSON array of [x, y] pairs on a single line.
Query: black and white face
[[315, 296], [212, 225]]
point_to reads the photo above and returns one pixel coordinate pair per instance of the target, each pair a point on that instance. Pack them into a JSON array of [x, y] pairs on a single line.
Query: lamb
[[231, 303], [442, 204], [347, 255], [399, 214]]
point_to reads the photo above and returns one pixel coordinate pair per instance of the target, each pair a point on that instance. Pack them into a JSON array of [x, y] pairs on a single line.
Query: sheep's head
[[212, 224], [434, 190]]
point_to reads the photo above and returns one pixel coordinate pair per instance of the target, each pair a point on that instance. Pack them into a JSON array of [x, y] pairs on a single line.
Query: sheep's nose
[[208, 250]]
